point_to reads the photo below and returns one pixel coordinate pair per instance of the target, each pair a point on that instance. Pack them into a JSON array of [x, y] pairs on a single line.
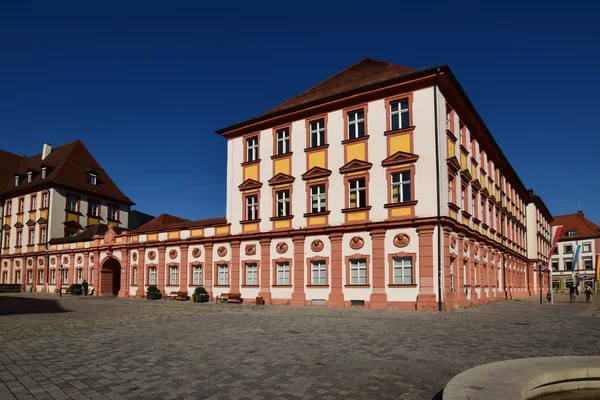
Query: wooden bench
[[64, 290], [182, 296], [229, 298]]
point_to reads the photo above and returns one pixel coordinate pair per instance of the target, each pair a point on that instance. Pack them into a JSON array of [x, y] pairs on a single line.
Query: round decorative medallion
[[151, 255], [17, 263], [250, 249], [5, 264], [317, 245], [40, 261], [65, 260], [79, 259], [222, 251], [357, 243], [197, 252], [134, 256], [173, 253], [30, 262], [282, 247], [91, 257], [53, 261], [453, 241], [401, 240]]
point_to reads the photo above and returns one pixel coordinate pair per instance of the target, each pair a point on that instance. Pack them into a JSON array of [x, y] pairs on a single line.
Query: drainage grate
[[357, 302]]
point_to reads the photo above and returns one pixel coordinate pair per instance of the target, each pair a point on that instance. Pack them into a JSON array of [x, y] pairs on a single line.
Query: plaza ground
[[114, 348]]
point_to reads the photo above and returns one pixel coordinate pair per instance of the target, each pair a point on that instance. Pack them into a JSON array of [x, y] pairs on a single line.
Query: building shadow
[[21, 305], [439, 395]]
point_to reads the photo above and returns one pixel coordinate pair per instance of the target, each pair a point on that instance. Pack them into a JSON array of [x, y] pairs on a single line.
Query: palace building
[[380, 187]]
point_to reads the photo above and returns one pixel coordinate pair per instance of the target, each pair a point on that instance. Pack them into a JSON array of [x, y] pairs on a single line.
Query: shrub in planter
[[76, 289], [200, 295], [152, 293]]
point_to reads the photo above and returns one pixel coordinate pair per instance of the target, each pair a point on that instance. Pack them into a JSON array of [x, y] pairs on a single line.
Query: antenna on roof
[[579, 206]]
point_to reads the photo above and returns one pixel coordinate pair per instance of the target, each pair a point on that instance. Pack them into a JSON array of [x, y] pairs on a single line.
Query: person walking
[[588, 294], [572, 291], [85, 287]]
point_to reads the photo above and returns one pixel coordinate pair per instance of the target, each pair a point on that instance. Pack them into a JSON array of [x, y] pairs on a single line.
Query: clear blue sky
[[146, 85]]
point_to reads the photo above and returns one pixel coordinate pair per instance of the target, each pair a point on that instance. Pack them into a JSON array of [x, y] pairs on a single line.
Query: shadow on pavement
[[20, 305], [439, 395]]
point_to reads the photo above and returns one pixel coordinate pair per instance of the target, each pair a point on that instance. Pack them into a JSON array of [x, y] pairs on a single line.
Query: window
[[357, 193], [152, 276], [65, 277], [53, 277], [91, 276], [317, 133], [134, 277], [554, 266], [33, 205], [29, 276], [318, 273], [556, 249], [5, 277], [43, 234], [79, 275], [6, 239], [555, 284], [317, 198], [41, 277], [358, 272], [283, 273], [94, 207], [173, 278], [399, 114], [587, 247], [18, 277], [283, 203], [402, 271], [70, 233], [571, 232], [223, 270], [31, 235], [44, 172], [29, 176], [17, 179], [587, 264], [8, 207], [45, 200], [21, 206], [283, 141], [197, 276], [400, 187], [72, 203], [568, 265], [251, 208], [19, 238], [356, 124], [92, 179], [568, 248], [568, 282], [251, 274], [252, 149], [113, 212]]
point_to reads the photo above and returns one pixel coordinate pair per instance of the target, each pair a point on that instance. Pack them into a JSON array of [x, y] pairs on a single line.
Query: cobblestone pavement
[[110, 348]]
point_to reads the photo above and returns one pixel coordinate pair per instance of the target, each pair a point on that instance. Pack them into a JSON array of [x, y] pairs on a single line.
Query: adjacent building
[[577, 230], [380, 187]]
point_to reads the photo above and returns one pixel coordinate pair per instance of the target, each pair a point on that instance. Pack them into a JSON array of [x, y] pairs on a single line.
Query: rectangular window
[[400, 187], [29, 176], [92, 179], [72, 203], [173, 278], [568, 265], [29, 276], [65, 277], [44, 172], [94, 208], [399, 114], [587, 264], [317, 198], [53, 277], [283, 273], [357, 193], [43, 235], [318, 273], [31, 236], [252, 149], [45, 200], [8, 208], [556, 249], [568, 248], [402, 271], [21, 206], [317, 133], [134, 277], [568, 282], [358, 272], [152, 276], [587, 247], [19, 238], [251, 207], [223, 270], [113, 212], [554, 266], [571, 232], [251, 274], [18, 277], [555, 284], [197, 278], [79, 275], [7, 239], [283, 203], [41, 277], [283, 141], [17, 180], [356, 124], [33, 205]]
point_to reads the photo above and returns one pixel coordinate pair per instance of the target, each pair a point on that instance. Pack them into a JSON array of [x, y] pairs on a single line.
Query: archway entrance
[[110, 277]]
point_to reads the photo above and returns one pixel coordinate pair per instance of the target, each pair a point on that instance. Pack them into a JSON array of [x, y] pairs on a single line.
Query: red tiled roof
[[9, 164], [67, 165], [578, 222], [166, 221], [365, 72]]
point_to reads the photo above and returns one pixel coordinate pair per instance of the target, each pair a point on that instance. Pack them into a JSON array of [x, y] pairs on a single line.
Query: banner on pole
[[598, 267], [575, 258]]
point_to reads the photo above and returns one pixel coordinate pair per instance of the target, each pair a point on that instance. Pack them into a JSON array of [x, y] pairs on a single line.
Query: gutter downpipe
[[439, 200]]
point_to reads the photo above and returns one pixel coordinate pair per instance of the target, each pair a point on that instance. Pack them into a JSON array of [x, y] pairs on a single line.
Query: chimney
[[46, 150], [580, 212]]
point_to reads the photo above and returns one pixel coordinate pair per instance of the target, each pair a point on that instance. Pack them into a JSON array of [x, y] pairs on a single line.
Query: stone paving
[[111, 348]]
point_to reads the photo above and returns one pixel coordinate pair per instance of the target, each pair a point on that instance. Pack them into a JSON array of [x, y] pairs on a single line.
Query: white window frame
[[252, 274], [283, 273], [17, 180], [251, 207], [18, 277], [354, 187], [317, 131], [173, 275], [568, 249], [571, 233], [19, 238], [152, 275], [21, 206], [283, 202], [29, 276], [355, 120], [283, 138], [113, 212], [44, 172], [45, 197], [565, 265], [40, 277], [53, 277], [400, 112], [586, 247], [32, 235], [94, 207], [79, 275], [591, 262], [223, 274], [29, 176], [398, 184], [399, 268], [43, 233], [65, 276], [33, 203], [92, 179], [318, 272], [358, 271], [318, 198], [252, 149], [134, 276], [9, 207], [197, 275], [7, 239], [72, 203]]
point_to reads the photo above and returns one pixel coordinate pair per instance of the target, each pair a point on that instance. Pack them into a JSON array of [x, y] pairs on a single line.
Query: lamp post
[[61, 269], [541, 280]]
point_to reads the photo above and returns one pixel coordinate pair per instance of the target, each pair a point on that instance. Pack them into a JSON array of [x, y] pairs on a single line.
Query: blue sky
[[146, 84]]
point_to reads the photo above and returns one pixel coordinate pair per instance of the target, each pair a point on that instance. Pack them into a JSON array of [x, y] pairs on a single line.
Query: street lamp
[[61, 269]]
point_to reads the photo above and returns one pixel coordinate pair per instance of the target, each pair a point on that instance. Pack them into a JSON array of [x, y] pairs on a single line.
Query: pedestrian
[[588, 294], [85, 287], [572, 291]]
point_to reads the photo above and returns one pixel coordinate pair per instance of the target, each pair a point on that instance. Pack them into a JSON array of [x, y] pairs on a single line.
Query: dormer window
[[571, 232], [92, 179], [44, 172], [17, 180], [29, 176]]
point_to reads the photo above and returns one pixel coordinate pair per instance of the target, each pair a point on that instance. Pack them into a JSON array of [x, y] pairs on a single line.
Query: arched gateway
[[110, 277]]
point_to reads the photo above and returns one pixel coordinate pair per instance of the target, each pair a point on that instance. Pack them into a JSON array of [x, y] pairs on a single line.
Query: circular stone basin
[[586, 394]]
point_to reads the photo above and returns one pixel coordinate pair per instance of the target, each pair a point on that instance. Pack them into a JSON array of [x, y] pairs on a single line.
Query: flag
[[575, 258], [598, 267]]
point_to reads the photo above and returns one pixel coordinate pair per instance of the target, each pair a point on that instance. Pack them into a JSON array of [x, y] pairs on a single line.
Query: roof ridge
[[589, 223]]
